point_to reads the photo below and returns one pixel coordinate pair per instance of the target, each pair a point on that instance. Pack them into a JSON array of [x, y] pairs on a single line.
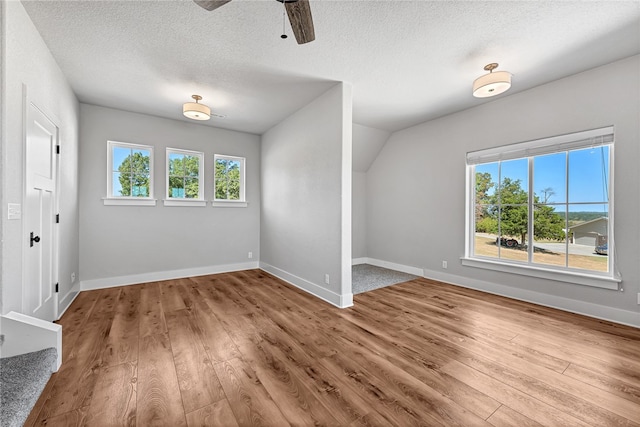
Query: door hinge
[[57, 286], [57, 149], [57, 218]]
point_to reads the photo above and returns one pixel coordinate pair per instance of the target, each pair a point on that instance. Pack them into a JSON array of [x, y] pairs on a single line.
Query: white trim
[[340, 301], [184, 202], [397, 267], [229, 204], [71, 296], [597, 311], [26, 334], [605, 282], [542, 146], [358, 261], [128, 201], [110, 282]]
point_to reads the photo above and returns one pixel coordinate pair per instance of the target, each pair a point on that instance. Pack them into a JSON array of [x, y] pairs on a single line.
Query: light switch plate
[[14, 211]]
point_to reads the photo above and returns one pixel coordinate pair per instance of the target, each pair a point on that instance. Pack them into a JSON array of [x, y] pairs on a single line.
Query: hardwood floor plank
[[249, 401], [80, 370], [122, 342], [404, 388], [246, 348], [344, 403], [150, 310], [297, 401], [507, 417], [551, 387], [158, 392], [171, 296], [421, 365], [215, 414], [76, 417], [114, 396], [199, 385], [519, 401], [604, 382]]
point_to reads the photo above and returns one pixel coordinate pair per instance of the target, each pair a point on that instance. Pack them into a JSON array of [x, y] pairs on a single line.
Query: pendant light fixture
[[196, 111], [491, 84]]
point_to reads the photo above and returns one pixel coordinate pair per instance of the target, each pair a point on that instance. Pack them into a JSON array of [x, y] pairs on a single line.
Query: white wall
[[305, 228], [416, 186], [27, 61], [359, 215], [129, 244]]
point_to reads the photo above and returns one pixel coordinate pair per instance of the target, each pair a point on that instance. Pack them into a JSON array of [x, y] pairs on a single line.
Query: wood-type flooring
[[246, 349]]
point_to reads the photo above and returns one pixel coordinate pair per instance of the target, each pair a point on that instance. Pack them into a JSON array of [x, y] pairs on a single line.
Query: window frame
[[529, 150], [242, 202], [111, 199], [182, 201]]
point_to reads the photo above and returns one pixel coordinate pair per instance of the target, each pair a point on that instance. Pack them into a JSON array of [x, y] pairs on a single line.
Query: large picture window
[[130, 173], [545, 205]]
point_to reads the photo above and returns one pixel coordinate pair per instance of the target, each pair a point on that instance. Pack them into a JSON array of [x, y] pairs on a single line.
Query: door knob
[[33, 239]]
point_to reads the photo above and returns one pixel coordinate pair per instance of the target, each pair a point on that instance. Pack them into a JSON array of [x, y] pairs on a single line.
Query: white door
[[40, 263]]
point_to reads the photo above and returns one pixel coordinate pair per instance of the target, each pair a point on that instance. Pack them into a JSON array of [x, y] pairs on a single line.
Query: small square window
[[130, 173]]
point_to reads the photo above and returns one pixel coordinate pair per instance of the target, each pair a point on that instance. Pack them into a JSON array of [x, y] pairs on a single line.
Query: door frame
[[28, 101]]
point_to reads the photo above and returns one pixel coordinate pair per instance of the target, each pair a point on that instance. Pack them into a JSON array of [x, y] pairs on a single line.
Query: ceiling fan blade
[[301, 22], [211, 4]]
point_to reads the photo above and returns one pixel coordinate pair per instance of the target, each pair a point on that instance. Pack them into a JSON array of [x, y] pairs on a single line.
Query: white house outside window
[[184, 178], [129, 174], [544, 208]]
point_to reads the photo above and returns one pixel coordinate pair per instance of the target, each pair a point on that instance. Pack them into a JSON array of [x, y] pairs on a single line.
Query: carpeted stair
[[22, 379]]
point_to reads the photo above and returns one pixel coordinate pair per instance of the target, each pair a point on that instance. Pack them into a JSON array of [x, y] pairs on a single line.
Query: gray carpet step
[[22, 379]]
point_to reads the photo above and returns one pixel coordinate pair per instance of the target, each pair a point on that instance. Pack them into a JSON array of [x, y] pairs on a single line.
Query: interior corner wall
[[306, 197], [423, 167], [28, 64], [359, 216], [131, 244]]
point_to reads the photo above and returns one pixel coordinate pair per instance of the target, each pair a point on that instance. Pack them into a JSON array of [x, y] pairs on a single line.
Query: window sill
[[184, 202], [228, 204], [128, 201], [545, 273]]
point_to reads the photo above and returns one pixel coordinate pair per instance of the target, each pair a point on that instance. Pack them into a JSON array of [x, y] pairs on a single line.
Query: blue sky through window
[[588, 178]]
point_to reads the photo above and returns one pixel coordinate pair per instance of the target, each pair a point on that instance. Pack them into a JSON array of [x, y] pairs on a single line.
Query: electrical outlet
[[638, 298], [73, 277], [250, 255], [444, 264], [326, 279]]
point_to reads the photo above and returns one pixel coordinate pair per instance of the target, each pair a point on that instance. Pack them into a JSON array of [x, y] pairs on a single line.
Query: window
[[185, 185], [130, 174], [229, 188], [544, 207]]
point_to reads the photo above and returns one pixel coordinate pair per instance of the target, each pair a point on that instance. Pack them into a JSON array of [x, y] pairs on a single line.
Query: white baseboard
[[597, 311], [65, 302], [340, 301], [391, 266], [25, 334], [110, 282], [358, 261]]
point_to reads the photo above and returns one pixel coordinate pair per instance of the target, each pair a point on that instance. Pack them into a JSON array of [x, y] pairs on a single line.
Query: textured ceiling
[[408, 61]]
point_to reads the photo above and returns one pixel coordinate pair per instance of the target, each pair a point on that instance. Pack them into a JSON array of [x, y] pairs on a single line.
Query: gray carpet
[[365, 277], [22, 379]]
